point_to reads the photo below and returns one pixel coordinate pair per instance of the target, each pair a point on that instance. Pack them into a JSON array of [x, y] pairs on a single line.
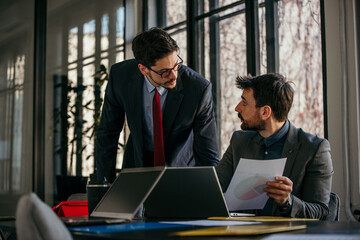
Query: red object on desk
[[71, 209]]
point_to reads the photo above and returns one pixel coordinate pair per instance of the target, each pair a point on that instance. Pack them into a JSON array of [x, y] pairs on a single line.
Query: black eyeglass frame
[[168, 71]]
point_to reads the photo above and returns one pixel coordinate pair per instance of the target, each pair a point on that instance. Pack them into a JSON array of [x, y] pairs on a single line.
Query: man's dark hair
[[152, 45], [270, 89]]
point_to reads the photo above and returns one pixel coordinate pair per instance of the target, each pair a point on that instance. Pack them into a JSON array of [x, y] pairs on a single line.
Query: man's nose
[[173, 74], [237, 108]]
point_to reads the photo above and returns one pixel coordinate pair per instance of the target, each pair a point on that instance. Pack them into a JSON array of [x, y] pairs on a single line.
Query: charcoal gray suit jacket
[[308, 166], [189, 126]]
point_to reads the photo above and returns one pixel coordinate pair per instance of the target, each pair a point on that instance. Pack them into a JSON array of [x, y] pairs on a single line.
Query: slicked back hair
[[152, 45], [270, 89]]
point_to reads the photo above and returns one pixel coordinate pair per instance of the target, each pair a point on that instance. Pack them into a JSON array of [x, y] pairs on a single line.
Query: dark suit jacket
[[308, 165], [189, 126]]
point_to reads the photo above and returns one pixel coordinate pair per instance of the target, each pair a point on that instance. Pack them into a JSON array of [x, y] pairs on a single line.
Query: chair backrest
[[334, 208], [2, 236], [36, 220], [77, 197]]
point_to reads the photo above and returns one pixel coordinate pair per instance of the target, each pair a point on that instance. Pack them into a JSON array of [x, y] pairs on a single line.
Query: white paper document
[[245, 190]]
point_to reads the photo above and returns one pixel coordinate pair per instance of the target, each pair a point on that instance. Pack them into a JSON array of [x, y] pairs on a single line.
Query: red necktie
[[159, 154]]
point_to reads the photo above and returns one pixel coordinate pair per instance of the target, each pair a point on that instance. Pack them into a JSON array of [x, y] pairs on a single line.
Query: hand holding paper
[[279, 190], [246, 189]]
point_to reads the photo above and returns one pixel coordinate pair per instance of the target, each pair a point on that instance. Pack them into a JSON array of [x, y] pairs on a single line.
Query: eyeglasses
[[166, 73]]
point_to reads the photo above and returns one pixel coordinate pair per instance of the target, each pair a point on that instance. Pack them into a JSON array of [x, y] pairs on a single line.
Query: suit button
[[266, 153]]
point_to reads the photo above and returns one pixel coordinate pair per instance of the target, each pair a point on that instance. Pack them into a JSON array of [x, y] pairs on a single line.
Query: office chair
[[36, 220], [2, 236], [77, 197], [334, 208]]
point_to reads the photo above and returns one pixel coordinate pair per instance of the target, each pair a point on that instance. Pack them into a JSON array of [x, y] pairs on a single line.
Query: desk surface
[[317, 227]]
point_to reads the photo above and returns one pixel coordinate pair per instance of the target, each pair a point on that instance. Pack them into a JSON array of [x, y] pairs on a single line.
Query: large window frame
[[90, 37], [195, 56], [193, 25]]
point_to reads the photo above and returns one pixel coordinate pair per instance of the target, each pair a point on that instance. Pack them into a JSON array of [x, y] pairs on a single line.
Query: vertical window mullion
[[145, 15], [252, 37], [97, 41], [272, 36], [39, 98], [97, 62], [161, 17], [191, 10], [201, 39], [78, 117], [61, 103], [11, 125], [112, 36], [214, 61], [324, 69]]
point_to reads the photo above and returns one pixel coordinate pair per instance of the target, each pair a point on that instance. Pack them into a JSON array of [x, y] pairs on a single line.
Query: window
[[231, 38], [16, 97], [92, 34], [300, 60]]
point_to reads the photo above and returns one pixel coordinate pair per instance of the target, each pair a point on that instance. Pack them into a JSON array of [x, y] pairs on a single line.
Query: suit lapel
[[290, 151], [172, 105], [259, 147], [291, 148], [135, 88], [254, 148]]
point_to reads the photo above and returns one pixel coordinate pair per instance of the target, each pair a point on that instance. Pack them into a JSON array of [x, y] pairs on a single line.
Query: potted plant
[[68, 114]]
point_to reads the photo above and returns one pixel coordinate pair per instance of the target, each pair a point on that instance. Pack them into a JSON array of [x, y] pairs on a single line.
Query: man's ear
[[144, 70], [266, 112]]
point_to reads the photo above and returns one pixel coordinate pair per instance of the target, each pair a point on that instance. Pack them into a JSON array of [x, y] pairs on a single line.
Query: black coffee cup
[[94, 194]]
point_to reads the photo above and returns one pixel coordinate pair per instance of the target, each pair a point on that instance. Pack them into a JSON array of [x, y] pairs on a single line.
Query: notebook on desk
[[123, 199]]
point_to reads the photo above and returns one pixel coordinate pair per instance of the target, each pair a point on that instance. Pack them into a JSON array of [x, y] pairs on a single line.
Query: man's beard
[[256, 126], [161, 84]]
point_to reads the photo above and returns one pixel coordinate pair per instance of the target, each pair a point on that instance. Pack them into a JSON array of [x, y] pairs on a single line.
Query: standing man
[[304, 189], [168, 107]]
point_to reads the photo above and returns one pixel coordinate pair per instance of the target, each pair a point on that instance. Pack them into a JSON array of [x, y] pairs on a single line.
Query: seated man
[[304, 189]]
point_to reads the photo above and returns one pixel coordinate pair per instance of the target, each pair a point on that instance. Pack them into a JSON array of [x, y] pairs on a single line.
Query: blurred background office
[[55, 56]]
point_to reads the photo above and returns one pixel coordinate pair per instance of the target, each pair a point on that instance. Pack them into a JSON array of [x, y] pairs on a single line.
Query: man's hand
[[279, 190]]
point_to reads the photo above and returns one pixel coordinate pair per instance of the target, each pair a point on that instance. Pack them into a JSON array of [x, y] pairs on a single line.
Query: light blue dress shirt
[[148, 95]]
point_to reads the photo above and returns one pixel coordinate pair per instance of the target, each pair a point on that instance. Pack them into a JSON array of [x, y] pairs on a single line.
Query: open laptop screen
[[189, 192], [127, 193]]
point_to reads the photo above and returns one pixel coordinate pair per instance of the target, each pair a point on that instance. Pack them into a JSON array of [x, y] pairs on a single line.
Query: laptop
[[186, 192], [166, 192], [123, 199]]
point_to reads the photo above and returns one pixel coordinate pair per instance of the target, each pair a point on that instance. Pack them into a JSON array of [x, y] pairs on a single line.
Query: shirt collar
[[150, 87], [276, 136]]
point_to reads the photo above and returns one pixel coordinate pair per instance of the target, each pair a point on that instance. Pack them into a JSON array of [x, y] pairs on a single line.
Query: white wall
[[342, 96]]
